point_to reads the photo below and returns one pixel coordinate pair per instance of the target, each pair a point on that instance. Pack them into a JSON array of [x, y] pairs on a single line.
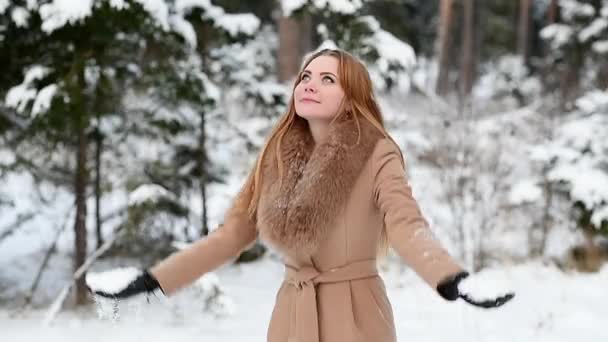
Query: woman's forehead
[[323, 64]]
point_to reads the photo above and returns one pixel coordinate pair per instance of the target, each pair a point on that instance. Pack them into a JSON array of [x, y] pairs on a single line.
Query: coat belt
[[304, 321]]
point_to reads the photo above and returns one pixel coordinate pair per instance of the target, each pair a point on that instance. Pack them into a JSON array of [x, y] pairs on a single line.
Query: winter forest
[[127, 126]]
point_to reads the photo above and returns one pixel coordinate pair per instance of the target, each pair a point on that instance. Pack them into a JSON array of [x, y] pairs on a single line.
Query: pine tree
[[67, 74], [349, 26]]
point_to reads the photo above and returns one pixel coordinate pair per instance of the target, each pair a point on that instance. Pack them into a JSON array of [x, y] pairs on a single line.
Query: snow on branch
[[336, 6], [148, 192], [18, 97]]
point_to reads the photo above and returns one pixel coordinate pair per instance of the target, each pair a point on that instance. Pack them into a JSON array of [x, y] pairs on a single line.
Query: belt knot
[[303, 277], [304, 324]]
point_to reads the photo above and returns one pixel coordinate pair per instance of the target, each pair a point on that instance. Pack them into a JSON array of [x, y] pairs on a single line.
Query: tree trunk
[[294, 42], [523, 30], [80, 230], [602, 76], [547, 221], [443, 46], [202, 33], [467, 66], [552, 12], [203, 181], [98, 149]]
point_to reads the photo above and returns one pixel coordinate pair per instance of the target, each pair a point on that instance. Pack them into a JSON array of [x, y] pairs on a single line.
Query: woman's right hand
[[122, 283]]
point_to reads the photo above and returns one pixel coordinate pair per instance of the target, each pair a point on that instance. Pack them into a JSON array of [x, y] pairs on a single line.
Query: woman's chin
[[314, 116]]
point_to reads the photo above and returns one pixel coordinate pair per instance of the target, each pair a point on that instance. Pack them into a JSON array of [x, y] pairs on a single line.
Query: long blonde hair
[[359, 99]]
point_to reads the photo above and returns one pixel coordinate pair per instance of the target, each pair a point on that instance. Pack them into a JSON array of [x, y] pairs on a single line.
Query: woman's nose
[[310, 89]]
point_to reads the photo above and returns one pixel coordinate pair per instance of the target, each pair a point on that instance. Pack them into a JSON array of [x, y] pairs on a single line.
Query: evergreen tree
[[71, 69]]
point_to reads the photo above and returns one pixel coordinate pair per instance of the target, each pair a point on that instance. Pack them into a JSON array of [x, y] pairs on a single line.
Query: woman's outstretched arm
[[407, 229], [409, 233], [185, 266], [226, 242]]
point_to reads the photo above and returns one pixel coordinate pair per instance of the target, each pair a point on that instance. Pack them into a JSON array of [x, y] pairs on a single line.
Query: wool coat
[[326, 218]]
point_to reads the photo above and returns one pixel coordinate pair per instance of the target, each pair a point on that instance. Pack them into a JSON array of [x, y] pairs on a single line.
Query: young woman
[[329, 192]]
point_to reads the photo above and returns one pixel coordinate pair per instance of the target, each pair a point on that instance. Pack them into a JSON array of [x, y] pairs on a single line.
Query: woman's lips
[[309, 101]]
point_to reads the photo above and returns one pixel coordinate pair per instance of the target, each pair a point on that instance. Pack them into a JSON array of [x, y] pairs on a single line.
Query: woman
[[329, 192]]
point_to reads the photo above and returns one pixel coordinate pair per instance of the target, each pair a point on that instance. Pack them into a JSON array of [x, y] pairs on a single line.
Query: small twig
[[19, 221], [47, 257]]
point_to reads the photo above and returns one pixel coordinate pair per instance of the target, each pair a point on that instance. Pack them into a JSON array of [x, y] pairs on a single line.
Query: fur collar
[[295, 216]]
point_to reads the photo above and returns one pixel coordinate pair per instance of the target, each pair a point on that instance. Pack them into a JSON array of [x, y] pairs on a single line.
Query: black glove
[[448, 289], [144, 283]]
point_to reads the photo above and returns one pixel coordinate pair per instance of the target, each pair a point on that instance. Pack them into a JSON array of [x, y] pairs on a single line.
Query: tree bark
[[552, 12], [202, 32], [98, 150], [80, 229], [523, 30], [467, 66], [294, 42], [203, 168], [443, 46], [80, 184]]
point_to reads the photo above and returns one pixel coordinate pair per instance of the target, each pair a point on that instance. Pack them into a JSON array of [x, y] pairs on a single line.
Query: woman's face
[[319, 94]]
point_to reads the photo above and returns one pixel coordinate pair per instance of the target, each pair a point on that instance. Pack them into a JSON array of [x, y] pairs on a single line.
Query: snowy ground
[[549, 306]]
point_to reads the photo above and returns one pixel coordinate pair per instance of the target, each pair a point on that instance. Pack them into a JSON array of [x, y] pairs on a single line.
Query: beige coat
[[326, 219]]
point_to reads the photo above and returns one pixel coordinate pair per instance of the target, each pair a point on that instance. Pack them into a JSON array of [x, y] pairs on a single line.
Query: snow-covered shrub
[[508, 79]]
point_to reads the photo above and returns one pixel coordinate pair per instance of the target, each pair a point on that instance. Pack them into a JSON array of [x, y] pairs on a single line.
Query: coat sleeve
[[236, 233], [407, 230]]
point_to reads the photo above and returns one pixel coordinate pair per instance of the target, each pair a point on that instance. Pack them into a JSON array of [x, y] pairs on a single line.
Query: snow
[[234, 24], [118, 4], [235, 302], [269, 90], [147, 192], [593, 101], [549, 305], [158, 9], [3, 6], [485, 285], [600, 46], [578, 153], [184, 28], [212, 91], [336, 6], [112, 281], [43, 99], [524, 192], [589, 185], [289, 6], [339, 6], [391, 50], [19, 96], [599, 215], [594, 29], [58, 13], [238, 23], [504, 76], [571, 9], [7, 157], [20, 16], [559, 34]]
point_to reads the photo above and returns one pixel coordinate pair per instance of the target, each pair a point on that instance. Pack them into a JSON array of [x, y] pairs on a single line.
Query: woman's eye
[[305, 77], [327, 79]]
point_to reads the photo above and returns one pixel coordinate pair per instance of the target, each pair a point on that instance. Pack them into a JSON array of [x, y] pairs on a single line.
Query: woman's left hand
[[458, 286]]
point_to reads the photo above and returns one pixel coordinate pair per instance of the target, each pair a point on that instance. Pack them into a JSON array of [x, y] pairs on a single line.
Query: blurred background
[[127, 126]]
